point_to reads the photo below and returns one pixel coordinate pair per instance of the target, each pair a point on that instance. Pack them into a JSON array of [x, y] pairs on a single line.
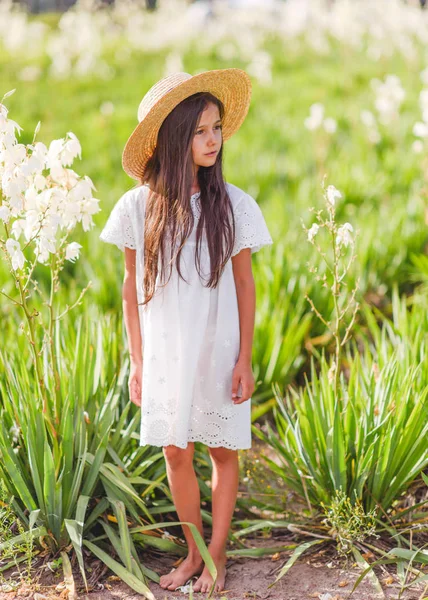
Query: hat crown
[[231, 86], [158, 90]]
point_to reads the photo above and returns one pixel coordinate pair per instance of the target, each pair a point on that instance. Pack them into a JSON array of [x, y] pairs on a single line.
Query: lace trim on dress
[[251, 228], [206, 440], [119, 229], [213, 428]]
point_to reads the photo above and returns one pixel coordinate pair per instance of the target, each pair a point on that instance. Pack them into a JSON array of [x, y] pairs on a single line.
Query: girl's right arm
[[132, 325]]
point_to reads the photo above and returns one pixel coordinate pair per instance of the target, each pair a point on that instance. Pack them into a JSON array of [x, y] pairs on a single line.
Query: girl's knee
[[223, 455], [176, 457]]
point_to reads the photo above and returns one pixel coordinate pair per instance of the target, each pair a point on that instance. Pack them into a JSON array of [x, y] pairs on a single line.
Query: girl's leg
[[225, 478], [185, 493]]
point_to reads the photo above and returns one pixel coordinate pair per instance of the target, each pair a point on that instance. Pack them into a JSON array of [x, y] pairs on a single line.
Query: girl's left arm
[[246, 296]]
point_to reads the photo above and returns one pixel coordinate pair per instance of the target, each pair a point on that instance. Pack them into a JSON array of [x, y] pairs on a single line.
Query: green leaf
[[293, 558], [75, 531], [121, 571], [418, 556], [363, 563]]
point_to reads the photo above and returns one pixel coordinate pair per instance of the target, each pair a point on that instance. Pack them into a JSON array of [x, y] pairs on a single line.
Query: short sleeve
[[119, 226], [251, 230]]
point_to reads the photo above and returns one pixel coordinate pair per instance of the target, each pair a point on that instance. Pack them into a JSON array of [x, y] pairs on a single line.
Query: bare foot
[[205, 581], [189, 567]]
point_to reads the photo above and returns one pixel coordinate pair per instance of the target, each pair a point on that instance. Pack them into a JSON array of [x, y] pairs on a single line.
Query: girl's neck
[[195, 184], [195, 187], [193, 190]]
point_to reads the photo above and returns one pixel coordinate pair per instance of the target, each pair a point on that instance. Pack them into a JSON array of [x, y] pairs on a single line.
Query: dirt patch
[[249, 578], [320, 576]]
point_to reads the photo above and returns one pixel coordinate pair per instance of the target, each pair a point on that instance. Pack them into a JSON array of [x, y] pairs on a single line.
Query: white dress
[[190, 332]]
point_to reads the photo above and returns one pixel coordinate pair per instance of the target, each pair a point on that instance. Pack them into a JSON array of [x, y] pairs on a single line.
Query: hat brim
[[231, 86]]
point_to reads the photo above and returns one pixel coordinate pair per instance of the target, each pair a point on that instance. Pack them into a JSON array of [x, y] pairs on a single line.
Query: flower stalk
[[41, 202], [337, 259]]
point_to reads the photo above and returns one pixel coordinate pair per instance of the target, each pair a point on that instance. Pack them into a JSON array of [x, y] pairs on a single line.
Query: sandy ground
[[319, 576], [249, 578]]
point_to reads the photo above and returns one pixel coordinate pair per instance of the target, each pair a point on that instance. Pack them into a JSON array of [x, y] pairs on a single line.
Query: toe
[[165, 580]]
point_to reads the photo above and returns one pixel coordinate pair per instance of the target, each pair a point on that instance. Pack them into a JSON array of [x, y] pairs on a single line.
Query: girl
[[189, 294]]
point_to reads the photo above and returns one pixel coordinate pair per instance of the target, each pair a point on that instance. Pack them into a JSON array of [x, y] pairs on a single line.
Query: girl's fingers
[[135, 392], [240, 400], [235, 385], [247, 390]]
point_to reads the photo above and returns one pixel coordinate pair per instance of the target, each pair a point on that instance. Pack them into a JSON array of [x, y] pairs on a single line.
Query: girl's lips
[[211, 153]]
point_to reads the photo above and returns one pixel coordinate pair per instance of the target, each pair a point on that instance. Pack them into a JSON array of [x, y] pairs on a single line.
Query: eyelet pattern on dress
[[251, 230], [119, 227]]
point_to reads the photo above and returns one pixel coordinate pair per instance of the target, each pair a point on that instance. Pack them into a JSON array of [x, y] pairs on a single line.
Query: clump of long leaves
[[282, 324], [371, 444], [366, 449]]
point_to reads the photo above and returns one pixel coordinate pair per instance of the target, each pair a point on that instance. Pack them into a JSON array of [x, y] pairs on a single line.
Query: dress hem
[[196, 439]]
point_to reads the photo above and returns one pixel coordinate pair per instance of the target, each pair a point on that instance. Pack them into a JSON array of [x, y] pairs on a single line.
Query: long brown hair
[[169, 215]]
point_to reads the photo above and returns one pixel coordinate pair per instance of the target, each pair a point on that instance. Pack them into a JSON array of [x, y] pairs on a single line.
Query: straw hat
[[231, 86]]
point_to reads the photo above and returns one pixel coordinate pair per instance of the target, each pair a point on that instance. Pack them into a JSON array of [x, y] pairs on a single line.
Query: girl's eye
[[202, 131]]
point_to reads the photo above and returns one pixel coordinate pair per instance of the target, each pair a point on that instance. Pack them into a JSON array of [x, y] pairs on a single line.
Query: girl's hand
[[135, 384], [242, 374]]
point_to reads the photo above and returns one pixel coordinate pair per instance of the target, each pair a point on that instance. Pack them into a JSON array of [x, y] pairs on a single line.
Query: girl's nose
[[212, 139]]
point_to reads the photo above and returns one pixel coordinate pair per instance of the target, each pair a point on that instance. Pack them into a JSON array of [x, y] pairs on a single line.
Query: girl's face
[[208, 137]]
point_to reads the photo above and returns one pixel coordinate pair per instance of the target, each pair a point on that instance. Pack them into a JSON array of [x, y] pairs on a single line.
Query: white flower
[[344, 235], [14, 250], [316, 116], [330, 125], [14, 155], [374, 136], [30, 73], [39, 204], [368, 118], [72, 251], [332, 194], [312, 232], [418, 146], [389, 96], [71, 149], [107, 108], [420, 129], [40, 182], [423, 98], [17, 228], [4, 213], [424, 76]]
